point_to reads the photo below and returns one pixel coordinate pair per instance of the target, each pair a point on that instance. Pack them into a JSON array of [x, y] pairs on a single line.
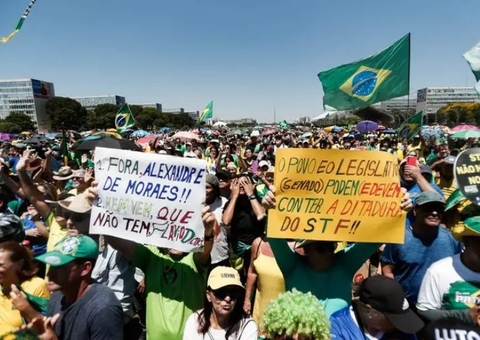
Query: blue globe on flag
[[364, 83], [121, 121]]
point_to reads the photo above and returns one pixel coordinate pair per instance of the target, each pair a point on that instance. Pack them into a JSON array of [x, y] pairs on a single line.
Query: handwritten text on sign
[[149, 198], [337, 195]]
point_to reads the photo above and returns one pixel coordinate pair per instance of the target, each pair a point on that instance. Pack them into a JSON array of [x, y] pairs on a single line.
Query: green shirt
[[175, 288]]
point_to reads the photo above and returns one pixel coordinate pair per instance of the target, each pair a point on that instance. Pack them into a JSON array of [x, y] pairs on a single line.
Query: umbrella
[[6, 137], [145, 140], [185, 136], [108, 142], [437, 131], [464, 127], [141, 133], [367, 125], [36, 140], [333, 128], [466, 134], [165, 129]]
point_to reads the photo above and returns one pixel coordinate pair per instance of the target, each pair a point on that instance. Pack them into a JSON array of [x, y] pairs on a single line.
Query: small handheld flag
[[20, 23], [207, 112], [409, 128], [124, 119]]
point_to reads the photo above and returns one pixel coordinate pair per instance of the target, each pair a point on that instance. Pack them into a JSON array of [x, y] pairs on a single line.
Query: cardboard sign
[[149, 198], [337, 195], [467, 174]]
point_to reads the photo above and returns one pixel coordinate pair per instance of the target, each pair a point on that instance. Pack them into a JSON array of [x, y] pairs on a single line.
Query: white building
[[91, 102], [27, 96], [431, 99], [404, 104]]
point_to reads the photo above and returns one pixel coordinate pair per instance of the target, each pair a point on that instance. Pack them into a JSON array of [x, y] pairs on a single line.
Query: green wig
[[296, 313]]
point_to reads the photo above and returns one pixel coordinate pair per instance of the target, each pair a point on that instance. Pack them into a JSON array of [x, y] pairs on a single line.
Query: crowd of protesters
[[59, 282]]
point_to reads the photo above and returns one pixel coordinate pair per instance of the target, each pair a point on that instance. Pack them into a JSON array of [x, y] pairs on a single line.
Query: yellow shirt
[[447, 186], [10, 318], [56, 234]]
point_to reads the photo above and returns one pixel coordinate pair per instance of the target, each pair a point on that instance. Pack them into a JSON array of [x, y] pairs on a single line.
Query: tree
[[24, 121], [65, 113], [102, 117], [7, 127], [457, 113], [147, 117]]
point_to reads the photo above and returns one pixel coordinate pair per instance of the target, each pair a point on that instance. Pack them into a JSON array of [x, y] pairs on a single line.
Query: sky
[[251, 57]]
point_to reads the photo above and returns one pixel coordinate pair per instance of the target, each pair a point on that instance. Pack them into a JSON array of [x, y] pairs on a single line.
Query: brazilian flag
[[409, 128], [380, 77], [124, 119], [207, 112]]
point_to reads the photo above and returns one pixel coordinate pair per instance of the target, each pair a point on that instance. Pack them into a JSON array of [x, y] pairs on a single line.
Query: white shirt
[[248, 331], [448, 284]]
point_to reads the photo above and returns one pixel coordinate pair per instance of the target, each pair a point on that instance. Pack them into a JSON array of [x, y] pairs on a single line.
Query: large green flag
[[207, 112], [124, 119], [368, 81], [409, 128], [473, 59]]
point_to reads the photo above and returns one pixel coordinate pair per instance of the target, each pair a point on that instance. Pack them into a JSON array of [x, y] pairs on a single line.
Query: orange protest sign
[[337, 195]]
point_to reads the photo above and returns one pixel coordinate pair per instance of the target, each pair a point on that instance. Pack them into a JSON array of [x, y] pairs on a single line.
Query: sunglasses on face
[[70, 215], [222, 293], [78, 178], [430, 207]]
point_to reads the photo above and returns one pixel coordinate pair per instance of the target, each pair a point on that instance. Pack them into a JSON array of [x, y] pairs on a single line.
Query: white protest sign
[[149, 198]]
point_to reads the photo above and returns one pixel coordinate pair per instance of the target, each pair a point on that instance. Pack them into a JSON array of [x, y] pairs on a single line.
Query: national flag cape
[[124, 119], [409, 128], [207, 112], [473, 59], [382, 76]]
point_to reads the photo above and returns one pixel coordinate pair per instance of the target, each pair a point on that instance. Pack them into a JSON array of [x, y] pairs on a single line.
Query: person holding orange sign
[[323, 272]]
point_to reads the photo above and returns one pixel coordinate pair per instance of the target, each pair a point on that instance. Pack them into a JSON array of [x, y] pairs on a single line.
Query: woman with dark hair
[[222, 316], [18, 274]]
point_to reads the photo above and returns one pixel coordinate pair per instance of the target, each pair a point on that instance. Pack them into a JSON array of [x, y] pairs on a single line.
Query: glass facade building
[[27, 96], [91, 102], [431, 99]]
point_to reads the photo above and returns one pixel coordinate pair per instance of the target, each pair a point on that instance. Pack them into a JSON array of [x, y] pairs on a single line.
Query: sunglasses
[[70, 215], [222, 293]]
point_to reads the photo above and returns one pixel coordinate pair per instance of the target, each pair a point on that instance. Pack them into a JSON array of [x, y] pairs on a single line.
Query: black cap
[[223, 175], [443, 328], [388, 297]]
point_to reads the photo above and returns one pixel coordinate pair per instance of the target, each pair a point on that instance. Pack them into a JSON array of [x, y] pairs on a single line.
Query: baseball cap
[[449, 160], [222, 277], [261, 164], [425, 169], [429, 197], [70, 249], [388, 297], [223, 175], [443, 328]]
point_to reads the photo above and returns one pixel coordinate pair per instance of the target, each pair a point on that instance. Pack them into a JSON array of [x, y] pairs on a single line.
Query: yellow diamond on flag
[[363, 83]]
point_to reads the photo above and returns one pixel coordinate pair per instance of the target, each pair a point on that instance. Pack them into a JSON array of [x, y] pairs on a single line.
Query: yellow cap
[[222, 277]]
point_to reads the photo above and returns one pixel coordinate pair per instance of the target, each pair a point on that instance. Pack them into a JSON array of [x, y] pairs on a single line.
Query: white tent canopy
[[219, 124], [324, 115]]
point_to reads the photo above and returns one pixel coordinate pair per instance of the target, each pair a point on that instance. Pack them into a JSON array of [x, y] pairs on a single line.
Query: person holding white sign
[[175, 281]]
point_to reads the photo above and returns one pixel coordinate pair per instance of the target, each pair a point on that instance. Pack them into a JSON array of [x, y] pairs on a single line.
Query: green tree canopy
[[65, 113], [24, 121], [7, 127], [457, 113]]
